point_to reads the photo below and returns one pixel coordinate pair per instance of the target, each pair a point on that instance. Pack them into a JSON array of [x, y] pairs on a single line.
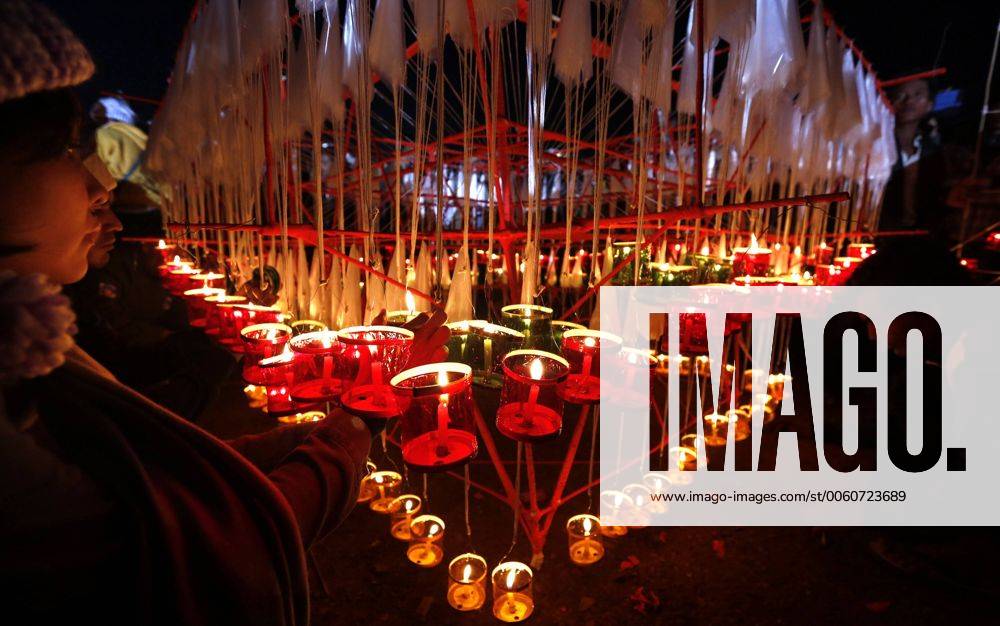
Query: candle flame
[[536, 369], [753, 242], [411, 305], [587, 525], [589, 342], [467, 573], [442, 378], [161, 245], [378, 478], [511, 575], [705, 251], [432, 530], [177, 259], [408, 505]]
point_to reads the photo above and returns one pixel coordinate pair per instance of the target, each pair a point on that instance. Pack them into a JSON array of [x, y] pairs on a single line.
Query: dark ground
[[723, 575]]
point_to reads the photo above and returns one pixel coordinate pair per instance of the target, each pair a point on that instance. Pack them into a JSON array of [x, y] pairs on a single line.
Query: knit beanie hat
[[38, 52]]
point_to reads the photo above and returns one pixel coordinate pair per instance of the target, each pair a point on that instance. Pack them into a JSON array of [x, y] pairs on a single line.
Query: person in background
[[916, 192], [125, 318], [114, 509]]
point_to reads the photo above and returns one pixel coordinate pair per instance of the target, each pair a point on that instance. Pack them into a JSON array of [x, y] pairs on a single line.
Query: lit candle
[[466, 588], [585, 544], [387, 487], [376, 366], [512, 597], [715, 437], [529, 408], [401, 512], [411, 305], [616, 503], [426, 533], [436, 423], [442, 416]]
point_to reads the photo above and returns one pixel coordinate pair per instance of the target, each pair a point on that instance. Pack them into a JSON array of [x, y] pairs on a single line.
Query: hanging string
[[517, 501], [468, 524], [590, 464]]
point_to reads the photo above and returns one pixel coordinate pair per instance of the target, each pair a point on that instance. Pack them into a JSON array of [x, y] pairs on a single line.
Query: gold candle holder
[[642, 504], [401, 512], [387, 486], [616, 502], [367, 490], [467, 582], [586, 546], [426, 533], [512, 597]]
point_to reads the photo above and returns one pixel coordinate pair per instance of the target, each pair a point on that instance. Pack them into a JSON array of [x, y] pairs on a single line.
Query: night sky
[[134, 42]]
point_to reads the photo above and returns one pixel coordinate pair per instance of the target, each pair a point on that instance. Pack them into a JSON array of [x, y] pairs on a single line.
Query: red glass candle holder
[[530, 402], [216, 306], [437, 424], [319, 371], [244, 315], [847, 266], [277, 374], [582, 349], [372, 356], [827, 275], [822, 254], [169, 265], [209, 279], [165, 250], [860, 251], [179, 280], [197, 307], [262, 341], [751, 261]]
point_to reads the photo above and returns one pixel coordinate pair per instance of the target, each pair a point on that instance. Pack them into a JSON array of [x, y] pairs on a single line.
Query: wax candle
[[489, 344], [466, 582], [823, 254], [716, 426], [530, 402], [401, 512], [277, 374], [426, 534], [585, 543], [178, 279], [437, 427], [512, 596]]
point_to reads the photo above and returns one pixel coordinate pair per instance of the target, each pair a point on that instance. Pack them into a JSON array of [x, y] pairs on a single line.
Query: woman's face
[[52, 208]]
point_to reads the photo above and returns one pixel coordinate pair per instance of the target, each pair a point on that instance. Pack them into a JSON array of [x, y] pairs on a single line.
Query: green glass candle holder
[[534, 322], [621, 251]]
